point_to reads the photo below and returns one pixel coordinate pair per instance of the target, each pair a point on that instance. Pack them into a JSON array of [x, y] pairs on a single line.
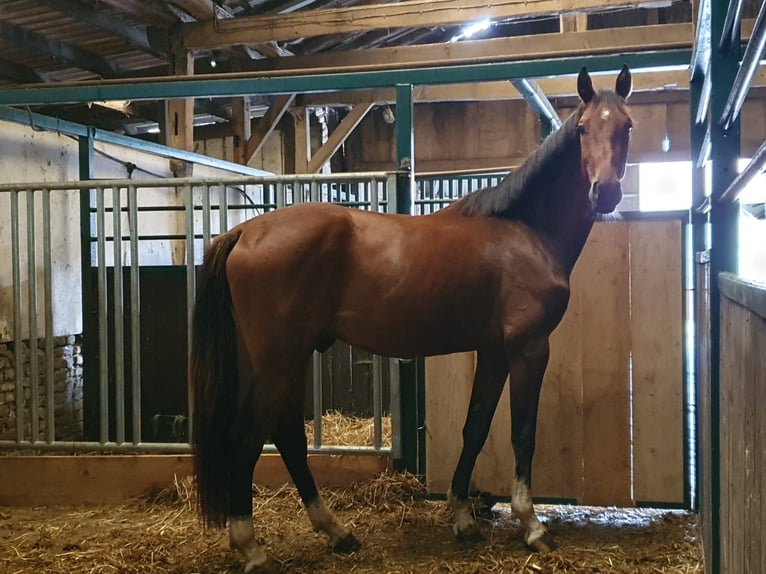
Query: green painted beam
[[217, 86]]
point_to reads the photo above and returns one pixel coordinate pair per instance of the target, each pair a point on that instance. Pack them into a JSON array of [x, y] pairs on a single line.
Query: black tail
[[213, 379]]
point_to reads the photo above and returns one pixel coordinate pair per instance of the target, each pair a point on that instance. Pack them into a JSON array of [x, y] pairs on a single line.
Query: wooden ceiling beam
[[20, 37], [137, 35], [19, 74], [555, 45], [411, 14], [262, 127]]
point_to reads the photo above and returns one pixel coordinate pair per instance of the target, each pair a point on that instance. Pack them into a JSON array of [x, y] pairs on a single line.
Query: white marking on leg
[[463, 513], [522, 506], [323, 520], [242, 538]]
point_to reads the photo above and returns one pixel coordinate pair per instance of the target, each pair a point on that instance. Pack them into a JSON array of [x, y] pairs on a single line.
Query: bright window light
[[664, 186], [755, 192], [472, 30]]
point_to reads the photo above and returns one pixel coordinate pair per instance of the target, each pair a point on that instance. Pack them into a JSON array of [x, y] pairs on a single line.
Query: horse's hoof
[[261, 567], [347, 544], [469, 535], [544, 543]]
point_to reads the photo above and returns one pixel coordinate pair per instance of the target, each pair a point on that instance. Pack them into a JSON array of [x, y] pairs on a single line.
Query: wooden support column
[[240, 123], [338, 136], [573, 22], [179, 113], [302, 141]]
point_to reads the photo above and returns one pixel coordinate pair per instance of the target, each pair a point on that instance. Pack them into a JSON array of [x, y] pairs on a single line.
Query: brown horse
[[489, 273]]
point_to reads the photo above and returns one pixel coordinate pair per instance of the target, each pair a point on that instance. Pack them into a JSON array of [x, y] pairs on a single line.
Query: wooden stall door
[[610, 425]]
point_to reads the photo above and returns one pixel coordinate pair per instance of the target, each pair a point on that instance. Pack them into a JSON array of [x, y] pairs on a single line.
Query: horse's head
[[604, 129]]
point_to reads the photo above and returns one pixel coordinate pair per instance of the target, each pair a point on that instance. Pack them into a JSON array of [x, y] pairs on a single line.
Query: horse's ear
[[585, 86], [624, 84]]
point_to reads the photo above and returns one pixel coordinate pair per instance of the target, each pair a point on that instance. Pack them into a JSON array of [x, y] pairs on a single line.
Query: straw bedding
[[401, 529]]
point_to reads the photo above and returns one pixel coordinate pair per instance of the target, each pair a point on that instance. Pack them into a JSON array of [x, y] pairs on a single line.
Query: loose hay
[[339, 429], [401, 529]]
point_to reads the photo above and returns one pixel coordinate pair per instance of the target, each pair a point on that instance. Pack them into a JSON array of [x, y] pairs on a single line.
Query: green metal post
[[410, 384], [724, 153], [89, 299]]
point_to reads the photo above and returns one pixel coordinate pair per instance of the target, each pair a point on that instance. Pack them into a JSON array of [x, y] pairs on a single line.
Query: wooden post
[[240, 122], [302, 147]]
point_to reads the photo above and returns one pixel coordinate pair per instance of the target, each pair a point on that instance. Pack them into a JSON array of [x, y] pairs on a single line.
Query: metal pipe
[[117, 306], [377, 401], [50, 391], [280, 195], [169, 448], [700, 59], [135, 311], [704, 100], [733, 19], [396, 405], [191, 287], [34, 373], [317, 388], [206, 235], [749, 66], [374, 199], [756, 166], [103, 332], [223, 205], [537, 101], [17, 318]]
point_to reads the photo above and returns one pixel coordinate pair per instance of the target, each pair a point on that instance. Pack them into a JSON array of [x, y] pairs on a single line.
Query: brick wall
[[67, 384]]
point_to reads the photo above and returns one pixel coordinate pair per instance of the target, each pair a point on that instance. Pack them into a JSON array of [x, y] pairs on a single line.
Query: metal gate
[[80, 253]]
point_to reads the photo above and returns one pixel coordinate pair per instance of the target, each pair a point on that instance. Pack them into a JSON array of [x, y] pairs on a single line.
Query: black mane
[[503, 199]]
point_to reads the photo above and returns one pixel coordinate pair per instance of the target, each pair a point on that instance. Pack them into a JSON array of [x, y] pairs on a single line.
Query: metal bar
[[135, 311], [317, 388], [280, 195], [18, 357], [103, 332], [396, 409], [391, 193], [254, 83], [223, 204], [117, 306], [377, 402], [170, 448], [206, 235], [50, 391], [700, 59], [750, 62], [733, 19], [703, 104], [538, 102], [191, 287], [56, 125], [373, 195], [34, 371], [756, 166], [314, 191]]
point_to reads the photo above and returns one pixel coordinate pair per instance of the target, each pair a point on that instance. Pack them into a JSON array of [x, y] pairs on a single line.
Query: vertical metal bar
[[396, 409], [18, 357], [34, 371], [317, 380], [191, 287], [135, 314], [117, 306], [224, 206], [391, 193], [103, 332], [205, 216], [280, 195], [373, 186], [50, 403], [297, 191], [314, 191], [377, 402]]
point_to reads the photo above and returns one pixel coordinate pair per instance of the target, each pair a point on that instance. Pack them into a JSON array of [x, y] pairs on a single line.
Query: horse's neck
[[563, 215]]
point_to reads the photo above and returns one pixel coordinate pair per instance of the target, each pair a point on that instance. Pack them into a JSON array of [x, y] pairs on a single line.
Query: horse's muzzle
[[604, 196]]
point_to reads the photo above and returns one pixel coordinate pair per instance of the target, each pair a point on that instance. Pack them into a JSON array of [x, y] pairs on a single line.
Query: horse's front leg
[[527, 367], [489, 380]]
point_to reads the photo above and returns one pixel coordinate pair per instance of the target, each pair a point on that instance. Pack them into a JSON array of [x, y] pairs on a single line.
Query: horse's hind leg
[[241, 535], [489, 380], [290, 439], [527, 367]]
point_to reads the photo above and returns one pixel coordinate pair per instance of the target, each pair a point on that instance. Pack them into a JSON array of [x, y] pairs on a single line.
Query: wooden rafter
[[411, 14], [263, 126], [85, 60], [135, 34], [338, 136], [639, 38], [18, 73]]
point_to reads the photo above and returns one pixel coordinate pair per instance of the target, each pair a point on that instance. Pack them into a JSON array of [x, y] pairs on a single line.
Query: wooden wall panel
[[656, 320], [584, 424], [606, 353]]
